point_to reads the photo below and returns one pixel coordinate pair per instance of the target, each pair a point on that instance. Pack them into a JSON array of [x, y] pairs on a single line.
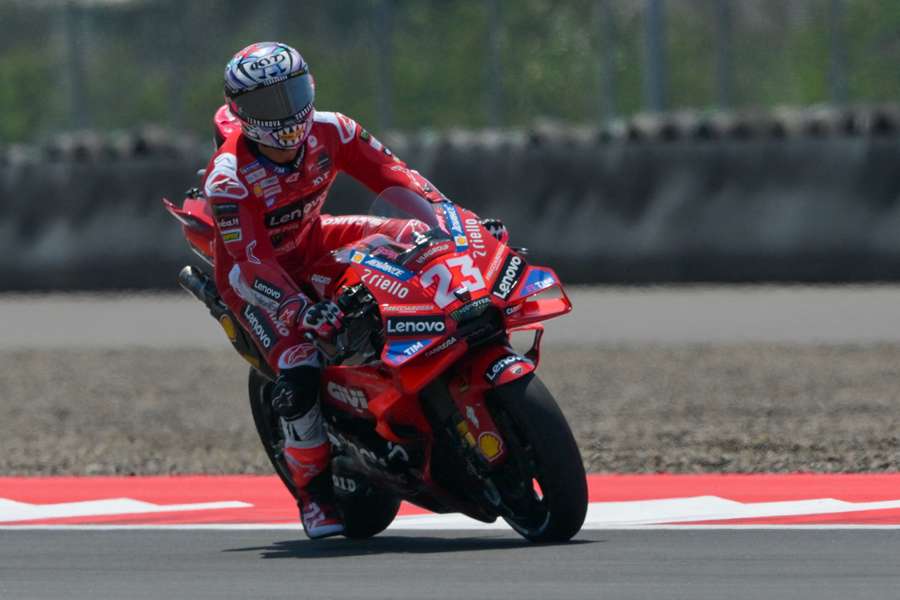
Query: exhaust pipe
[[199, 285]]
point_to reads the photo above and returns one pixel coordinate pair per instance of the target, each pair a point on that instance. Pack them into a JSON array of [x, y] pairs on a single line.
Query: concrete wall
[[678, 200]]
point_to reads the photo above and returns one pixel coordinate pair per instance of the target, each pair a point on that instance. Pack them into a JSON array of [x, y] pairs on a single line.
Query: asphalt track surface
[[735, 314], [615, 564], [695, 564]]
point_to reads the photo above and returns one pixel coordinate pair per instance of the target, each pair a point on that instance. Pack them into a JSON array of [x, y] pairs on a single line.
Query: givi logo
[[351, 397]]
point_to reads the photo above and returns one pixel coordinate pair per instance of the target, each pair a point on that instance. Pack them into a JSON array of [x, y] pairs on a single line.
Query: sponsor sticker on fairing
[[537, 280], [476, 237], [406, 308], [385, 266], [495, 262], [397, 353], [502, 364], [423, 325], [224, 208], [228, 222], [442, 346], [454, 224], [378, 281], [472, 309], [511, 310], [352, 397], [508, 276], [231, 235], [434, 250]]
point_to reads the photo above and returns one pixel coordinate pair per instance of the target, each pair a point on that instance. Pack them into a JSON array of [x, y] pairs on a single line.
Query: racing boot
[[307, 451], [315, 492]]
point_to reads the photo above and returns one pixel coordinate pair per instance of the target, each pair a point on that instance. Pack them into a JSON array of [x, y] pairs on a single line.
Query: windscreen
[[401, 203]]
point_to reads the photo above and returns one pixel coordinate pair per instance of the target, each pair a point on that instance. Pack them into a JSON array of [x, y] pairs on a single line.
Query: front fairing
[[437, 285]]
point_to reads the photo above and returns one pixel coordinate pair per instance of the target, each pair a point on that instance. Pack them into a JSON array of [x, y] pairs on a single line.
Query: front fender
[[474, 376], [494, 365]]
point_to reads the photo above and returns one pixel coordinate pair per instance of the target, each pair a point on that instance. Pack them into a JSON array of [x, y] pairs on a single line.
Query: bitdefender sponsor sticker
[[454, 224], [385, 266]]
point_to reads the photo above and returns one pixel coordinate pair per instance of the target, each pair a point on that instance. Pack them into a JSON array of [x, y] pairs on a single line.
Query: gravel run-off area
[[748, 407]]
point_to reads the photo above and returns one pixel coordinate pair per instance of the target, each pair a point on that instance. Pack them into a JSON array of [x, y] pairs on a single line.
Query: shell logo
[[228, 325], [490, 445]]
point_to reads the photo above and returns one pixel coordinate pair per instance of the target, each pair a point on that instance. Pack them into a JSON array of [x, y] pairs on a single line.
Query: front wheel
[[541, 450]]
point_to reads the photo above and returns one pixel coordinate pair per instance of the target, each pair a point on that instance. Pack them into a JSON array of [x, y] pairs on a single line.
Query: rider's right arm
[[256, 277]]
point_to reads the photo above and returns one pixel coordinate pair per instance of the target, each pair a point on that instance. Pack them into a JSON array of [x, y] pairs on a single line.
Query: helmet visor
[[276, 102]]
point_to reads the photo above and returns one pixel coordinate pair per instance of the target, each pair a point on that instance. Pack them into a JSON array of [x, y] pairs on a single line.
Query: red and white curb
[[809, 501]]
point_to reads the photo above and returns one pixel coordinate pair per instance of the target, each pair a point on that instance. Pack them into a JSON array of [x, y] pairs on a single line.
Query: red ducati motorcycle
[[424, 397]]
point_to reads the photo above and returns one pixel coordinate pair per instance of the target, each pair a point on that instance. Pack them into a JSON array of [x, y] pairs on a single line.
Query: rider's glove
[[497, 229], [291, 310], [322, 319]]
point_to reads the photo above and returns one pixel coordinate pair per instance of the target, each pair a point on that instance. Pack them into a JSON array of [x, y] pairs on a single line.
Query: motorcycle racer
[[267, 183]]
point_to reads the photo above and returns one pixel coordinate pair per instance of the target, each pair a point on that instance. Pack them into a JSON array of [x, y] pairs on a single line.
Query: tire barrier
[[806, 196]]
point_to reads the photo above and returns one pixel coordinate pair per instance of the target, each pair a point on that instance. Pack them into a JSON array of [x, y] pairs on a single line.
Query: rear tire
[[365, 514], [543, 449], [268, 426]]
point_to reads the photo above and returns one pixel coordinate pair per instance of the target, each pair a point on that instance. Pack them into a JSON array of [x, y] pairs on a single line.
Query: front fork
[[457, 403]]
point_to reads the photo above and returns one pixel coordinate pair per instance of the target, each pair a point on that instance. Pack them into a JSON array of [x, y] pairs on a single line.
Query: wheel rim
[[521, 489]]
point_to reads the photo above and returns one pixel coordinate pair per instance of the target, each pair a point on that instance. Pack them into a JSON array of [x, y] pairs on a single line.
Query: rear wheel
[[543, 482], [268, 426], [366, 513]]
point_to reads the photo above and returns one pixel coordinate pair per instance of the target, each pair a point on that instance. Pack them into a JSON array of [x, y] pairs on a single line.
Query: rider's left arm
[[371, 163]]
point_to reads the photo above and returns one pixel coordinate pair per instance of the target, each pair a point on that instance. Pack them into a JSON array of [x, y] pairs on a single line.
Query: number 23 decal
[[441, 274]]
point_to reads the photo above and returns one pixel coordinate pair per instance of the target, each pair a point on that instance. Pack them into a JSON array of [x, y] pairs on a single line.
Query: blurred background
[[665, 140]]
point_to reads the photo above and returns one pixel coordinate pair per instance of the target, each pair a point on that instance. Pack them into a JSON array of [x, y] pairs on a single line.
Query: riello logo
[[416, 325], [377, 281]]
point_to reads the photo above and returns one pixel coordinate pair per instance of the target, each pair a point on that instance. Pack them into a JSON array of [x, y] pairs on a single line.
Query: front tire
[[542, 449]]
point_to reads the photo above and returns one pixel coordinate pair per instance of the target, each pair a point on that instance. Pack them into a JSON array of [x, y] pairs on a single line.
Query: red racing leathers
[[271, 233]]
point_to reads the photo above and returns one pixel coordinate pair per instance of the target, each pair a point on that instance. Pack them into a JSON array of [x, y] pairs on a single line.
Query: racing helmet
[[270, 90]]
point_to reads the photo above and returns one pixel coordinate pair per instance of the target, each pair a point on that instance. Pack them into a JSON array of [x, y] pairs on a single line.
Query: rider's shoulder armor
[[336, 123]]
